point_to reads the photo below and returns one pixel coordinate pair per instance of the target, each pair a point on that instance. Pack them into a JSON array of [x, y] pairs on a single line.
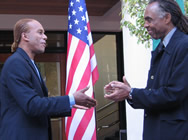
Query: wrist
[[71, 100]]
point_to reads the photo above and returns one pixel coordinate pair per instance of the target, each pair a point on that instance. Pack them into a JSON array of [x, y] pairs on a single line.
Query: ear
[[168, 18], [25, 36]]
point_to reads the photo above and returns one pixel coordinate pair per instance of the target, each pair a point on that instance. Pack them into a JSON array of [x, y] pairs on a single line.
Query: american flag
[[81, 71]]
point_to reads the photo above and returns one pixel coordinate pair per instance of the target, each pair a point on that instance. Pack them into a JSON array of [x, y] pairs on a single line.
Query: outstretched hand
[[82, 100], [118, 91]]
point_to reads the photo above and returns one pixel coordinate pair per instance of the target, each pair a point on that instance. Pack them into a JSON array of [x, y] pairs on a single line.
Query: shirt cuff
[[129, 100], [130, 94], [71, 100]]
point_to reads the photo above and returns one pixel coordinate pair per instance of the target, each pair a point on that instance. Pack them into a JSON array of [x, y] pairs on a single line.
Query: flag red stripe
[[95, 75], [84, 81], [92, 51], [75, 61], [69, 120], [88, 28], [83, 124], [94, 137], [85, 78]]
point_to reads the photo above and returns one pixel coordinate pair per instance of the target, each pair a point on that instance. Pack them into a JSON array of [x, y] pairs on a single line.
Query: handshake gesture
[[117, 91], [82, 100]]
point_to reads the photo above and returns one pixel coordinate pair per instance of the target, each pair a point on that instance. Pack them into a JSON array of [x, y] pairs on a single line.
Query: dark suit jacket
[[165, 99], [25, 107]]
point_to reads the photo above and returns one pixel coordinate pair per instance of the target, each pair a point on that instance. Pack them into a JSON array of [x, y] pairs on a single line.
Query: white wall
[[136, 66]]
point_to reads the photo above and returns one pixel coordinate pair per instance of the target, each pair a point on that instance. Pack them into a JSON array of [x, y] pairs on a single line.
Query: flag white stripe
[[75, 122], [90, 129], [87, 18], [93, 62], [73, 47], [89, 92], [79, 115], [80, 70], [90, 39]]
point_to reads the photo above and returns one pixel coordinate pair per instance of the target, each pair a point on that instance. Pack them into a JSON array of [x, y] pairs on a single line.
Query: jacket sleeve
[[20, 85], [173, 91]]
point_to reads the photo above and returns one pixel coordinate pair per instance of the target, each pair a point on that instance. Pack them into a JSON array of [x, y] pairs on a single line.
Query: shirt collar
[[168, 36], [32, 61]]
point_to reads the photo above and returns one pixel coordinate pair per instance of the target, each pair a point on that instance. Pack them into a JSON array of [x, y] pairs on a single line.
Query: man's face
[[36, 37], [154, 24]]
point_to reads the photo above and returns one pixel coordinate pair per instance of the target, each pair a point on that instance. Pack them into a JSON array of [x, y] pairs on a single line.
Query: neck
[[169, 28], [26, 49]]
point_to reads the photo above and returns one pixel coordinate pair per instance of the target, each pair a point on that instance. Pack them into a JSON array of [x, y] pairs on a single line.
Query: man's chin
[[156, 38], [41, 51]]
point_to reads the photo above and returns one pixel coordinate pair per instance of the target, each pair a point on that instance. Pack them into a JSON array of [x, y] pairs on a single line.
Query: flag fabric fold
[[81, 71]]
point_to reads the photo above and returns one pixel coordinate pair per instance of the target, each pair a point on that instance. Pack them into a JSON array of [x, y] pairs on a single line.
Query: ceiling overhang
[[52, 7]]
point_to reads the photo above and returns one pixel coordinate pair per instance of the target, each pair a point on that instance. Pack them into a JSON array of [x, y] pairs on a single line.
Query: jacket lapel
[[172, 43], [156, 55], [26, 57]]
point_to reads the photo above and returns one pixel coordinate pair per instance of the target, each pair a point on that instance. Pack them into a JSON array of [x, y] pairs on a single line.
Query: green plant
[[136, 8], [186, 7]]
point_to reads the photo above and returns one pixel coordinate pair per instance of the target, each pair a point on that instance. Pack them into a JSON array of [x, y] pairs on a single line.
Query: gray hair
[[178, 18]]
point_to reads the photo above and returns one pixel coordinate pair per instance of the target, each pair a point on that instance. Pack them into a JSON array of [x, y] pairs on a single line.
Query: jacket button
[[145, 115], [152, 77], [149, 89]]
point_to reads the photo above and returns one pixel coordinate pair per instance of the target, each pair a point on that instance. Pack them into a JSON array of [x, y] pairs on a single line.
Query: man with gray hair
[[165, 99]]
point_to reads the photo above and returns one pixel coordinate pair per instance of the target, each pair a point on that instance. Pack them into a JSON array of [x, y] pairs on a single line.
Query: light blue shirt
[[72, 100], [169, 36], [36, 69], [71, 97]]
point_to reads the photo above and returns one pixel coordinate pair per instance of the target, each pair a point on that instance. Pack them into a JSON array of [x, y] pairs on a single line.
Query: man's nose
[[45, 37], [146, 25]]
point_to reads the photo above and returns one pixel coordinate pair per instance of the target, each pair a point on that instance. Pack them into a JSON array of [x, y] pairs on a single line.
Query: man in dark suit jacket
[[165, 99], [25, 106]]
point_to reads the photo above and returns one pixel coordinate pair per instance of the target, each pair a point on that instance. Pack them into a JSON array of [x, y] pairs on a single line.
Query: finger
[[84, 89], [117, 85], [110, 96], [107, 86], [89, 104], [92, 102], [109, 91], [106, 96], [80, 107], [115, 82], [125, 81]]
